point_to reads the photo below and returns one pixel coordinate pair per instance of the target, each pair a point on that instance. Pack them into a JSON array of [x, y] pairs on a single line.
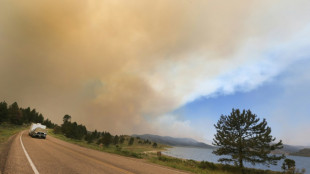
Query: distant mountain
[[171, 141], [292, 150], [302, 152]]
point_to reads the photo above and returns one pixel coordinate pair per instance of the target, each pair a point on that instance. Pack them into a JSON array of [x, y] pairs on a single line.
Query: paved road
[[55, 156]]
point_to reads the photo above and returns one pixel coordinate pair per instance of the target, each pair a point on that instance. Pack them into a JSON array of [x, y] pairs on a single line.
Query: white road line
[[28, 157]]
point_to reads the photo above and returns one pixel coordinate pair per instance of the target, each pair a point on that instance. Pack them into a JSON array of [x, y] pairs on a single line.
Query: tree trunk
[[242, 170], [241, 153], [241, 165]]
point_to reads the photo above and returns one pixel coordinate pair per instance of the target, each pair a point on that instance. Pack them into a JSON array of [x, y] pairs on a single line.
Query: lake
[[201, 154]]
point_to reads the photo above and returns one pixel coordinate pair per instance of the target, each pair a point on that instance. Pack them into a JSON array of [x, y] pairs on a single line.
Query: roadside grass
[[147, 152], [135, 150], [7, 130], [203, 167]]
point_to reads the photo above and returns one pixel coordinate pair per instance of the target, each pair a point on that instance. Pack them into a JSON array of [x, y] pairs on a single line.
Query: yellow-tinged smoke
[[112, 64]]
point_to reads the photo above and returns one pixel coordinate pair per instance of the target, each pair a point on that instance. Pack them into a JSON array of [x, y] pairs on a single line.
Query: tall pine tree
[[3, 112], [244, 138], [15, 114]]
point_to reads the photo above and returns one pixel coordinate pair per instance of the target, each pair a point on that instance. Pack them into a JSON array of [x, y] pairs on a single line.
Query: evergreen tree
[[95, 134], [15, 114], [33, 116], [131, 141], [57, 129], [67, 118], [288, 165], [40, 118], [3, 112], [122, 139], [107, 139], [89, 138], [48, 123], [81, 131], [242, 136], [116, 140], [147, 142], [73, 132], [66, 126], [26, 115]]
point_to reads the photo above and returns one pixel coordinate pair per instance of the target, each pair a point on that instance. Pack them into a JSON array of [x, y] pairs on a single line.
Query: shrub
[[207, 165]]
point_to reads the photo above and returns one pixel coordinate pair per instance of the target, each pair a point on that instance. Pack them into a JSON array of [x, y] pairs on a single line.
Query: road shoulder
[[4, 151]]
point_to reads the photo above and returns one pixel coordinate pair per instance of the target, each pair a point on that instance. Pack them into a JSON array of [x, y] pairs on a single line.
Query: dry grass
[[136, 150], [147, 152]]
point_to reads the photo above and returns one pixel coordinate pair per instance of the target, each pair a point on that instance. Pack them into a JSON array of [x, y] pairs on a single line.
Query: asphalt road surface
[[31, 155]]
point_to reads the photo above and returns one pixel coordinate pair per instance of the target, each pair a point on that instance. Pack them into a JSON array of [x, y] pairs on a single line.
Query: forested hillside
[[15, 115]]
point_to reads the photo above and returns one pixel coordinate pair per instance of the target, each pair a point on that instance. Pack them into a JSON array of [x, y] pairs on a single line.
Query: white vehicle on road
[[38, 130]]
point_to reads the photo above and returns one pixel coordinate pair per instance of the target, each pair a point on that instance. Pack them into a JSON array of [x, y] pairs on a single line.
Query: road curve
[[55, 156]]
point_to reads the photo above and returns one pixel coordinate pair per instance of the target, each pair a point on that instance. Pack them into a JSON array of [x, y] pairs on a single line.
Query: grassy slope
[[7, 130], [203, 167], [141, 151], [136, 150]]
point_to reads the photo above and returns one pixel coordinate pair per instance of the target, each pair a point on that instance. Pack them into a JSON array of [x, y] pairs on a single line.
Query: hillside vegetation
[[128, 146], [204, 167], [16, 115], [7, 130], [149, 153], [14, 119], [171, 141], [303, 152]]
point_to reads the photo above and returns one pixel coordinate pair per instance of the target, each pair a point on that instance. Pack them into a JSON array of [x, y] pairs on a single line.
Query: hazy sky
[[168, 67]]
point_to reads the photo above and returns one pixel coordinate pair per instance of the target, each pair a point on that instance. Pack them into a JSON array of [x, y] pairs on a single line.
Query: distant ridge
[[303, 152], [172, 141]]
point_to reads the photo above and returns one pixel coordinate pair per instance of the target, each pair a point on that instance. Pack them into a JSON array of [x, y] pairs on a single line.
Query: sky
[[166, 67]]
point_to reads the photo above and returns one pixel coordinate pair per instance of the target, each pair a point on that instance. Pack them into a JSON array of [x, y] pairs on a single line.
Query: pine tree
[[26, 115], [288, 165], [242, 136], [15, 114], [3, 111], [115, 140], [122, 139], [67, 118], [107, 139], [131, 141]]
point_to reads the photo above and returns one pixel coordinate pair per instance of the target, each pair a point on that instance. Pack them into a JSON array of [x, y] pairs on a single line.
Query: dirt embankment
[[4, 151]]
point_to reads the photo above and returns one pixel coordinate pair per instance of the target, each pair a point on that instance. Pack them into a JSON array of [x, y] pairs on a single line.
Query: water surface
[[201, 154]]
